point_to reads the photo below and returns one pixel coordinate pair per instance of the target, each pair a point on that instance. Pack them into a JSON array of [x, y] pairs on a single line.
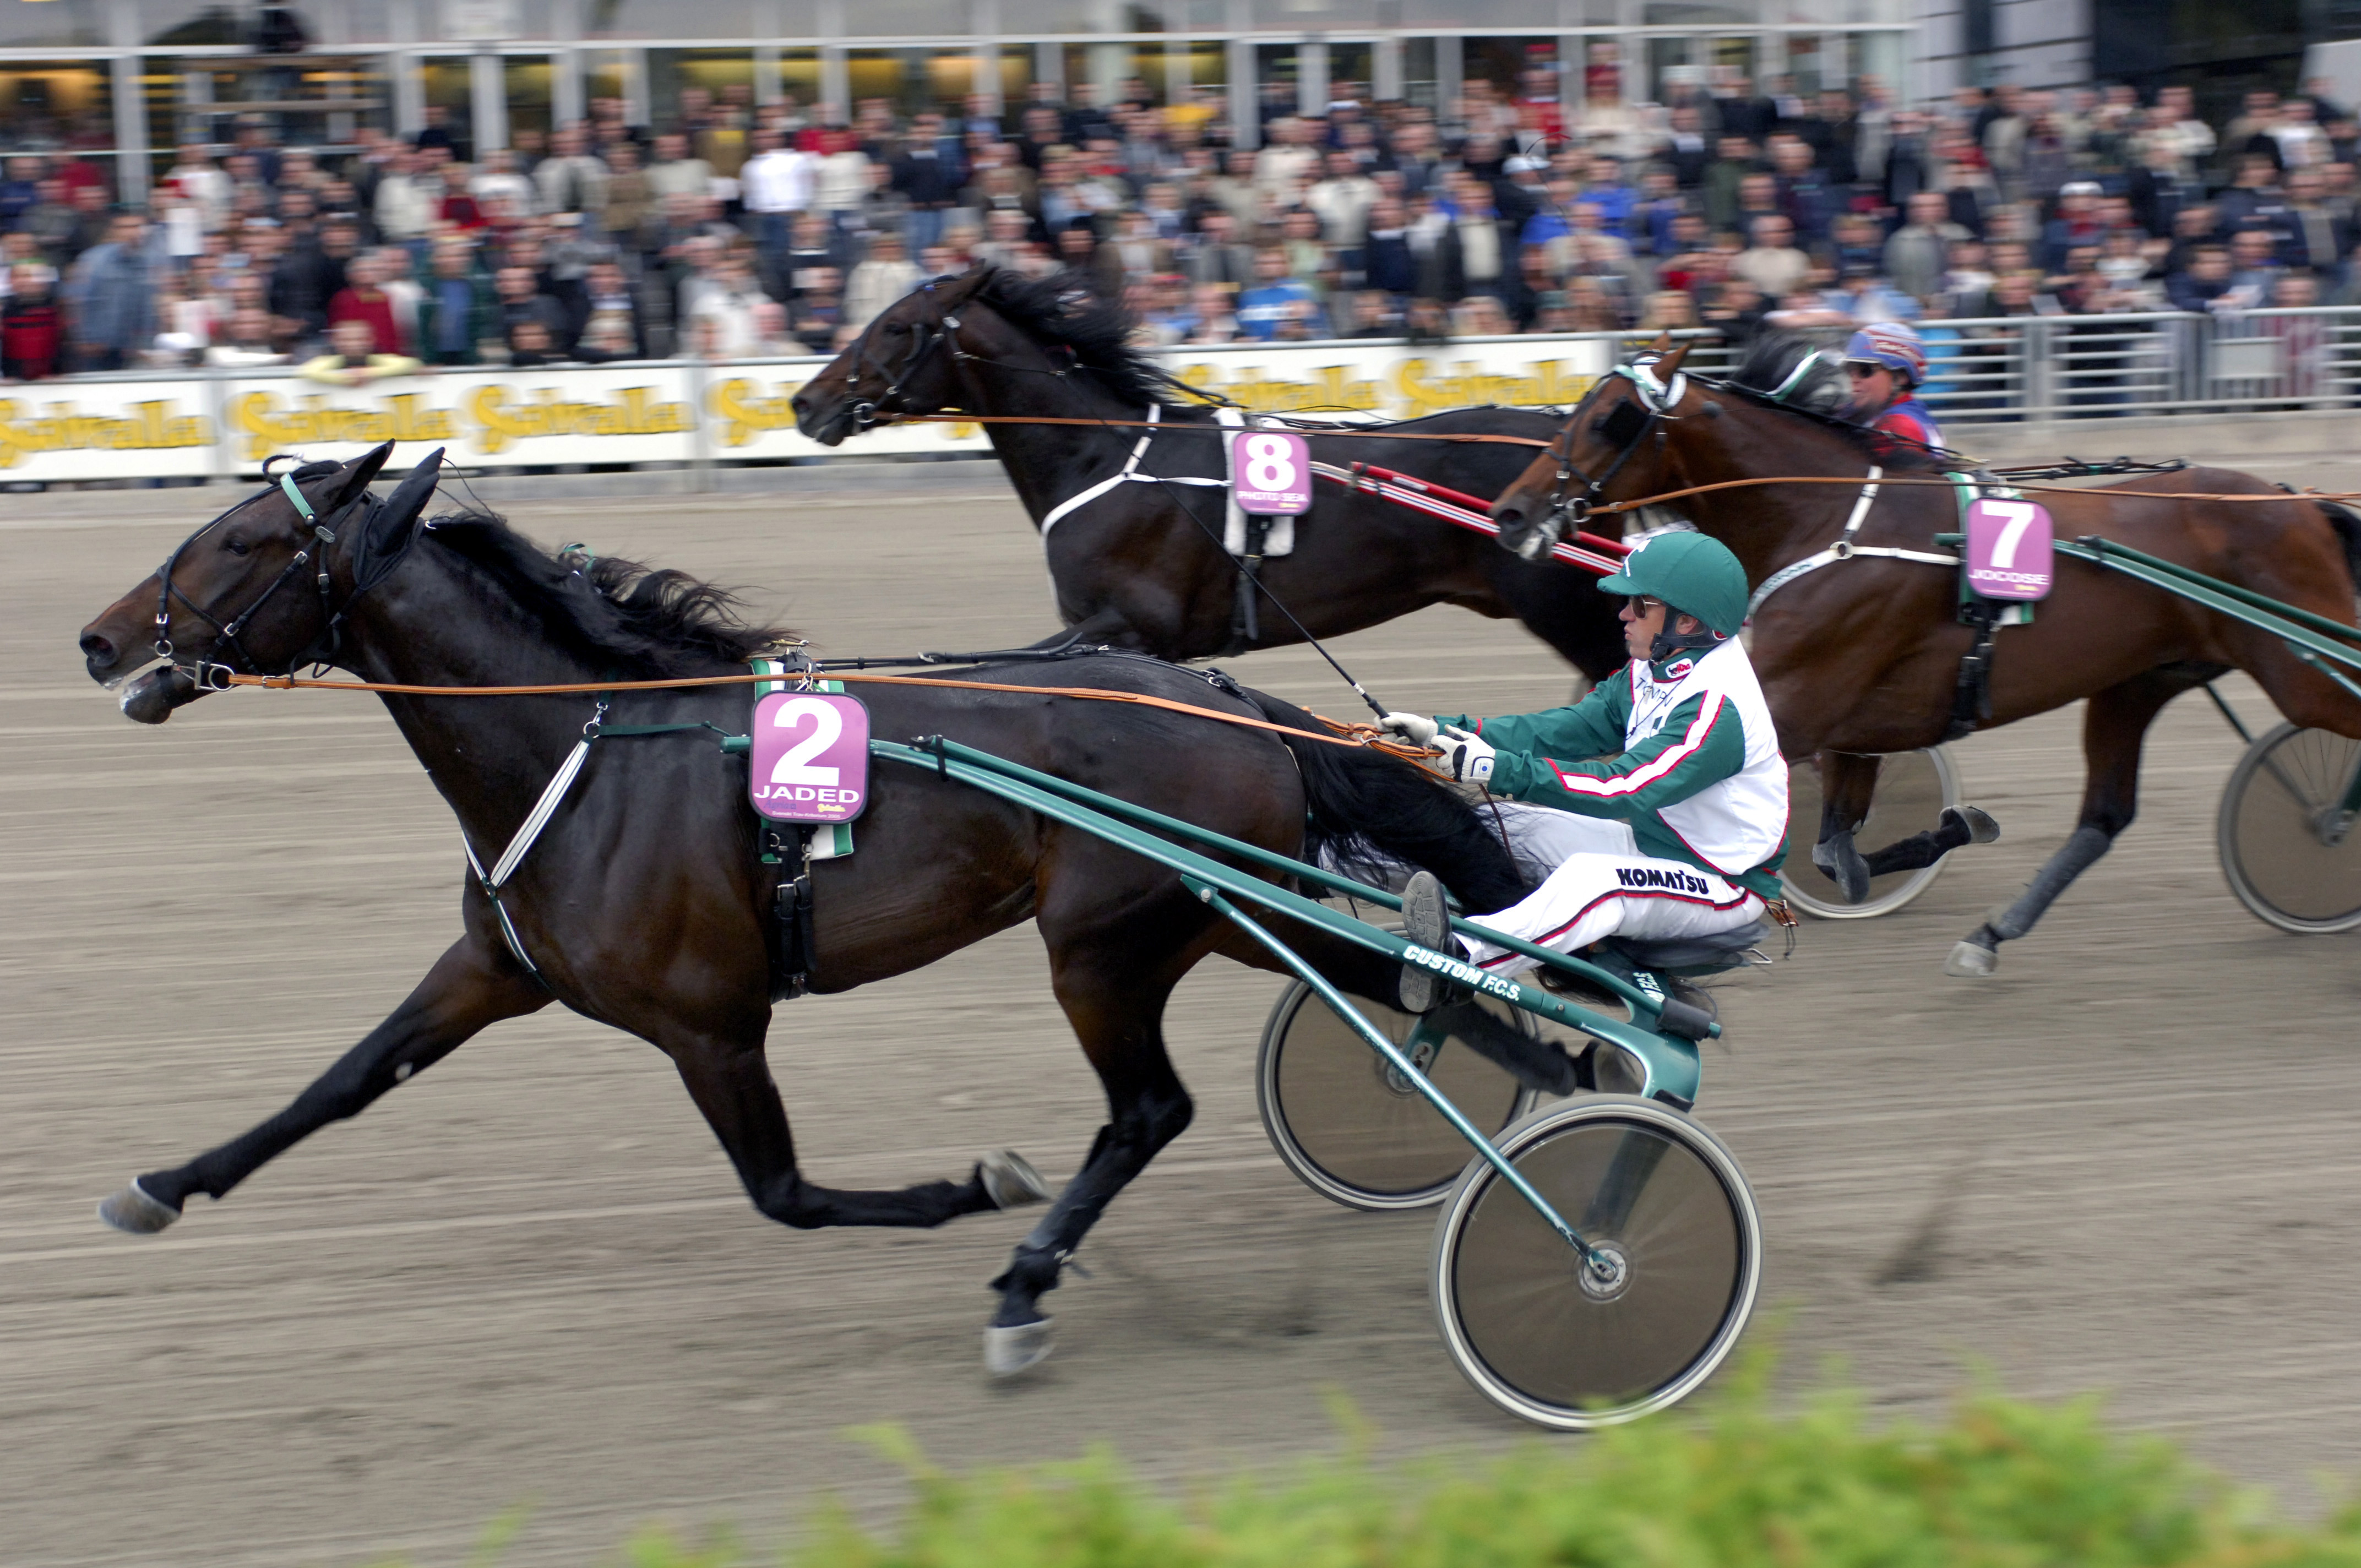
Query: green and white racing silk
[[1683, 751]]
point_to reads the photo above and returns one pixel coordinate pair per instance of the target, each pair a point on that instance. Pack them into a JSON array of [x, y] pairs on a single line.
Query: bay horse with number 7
[[1862, 655], [642, 906]]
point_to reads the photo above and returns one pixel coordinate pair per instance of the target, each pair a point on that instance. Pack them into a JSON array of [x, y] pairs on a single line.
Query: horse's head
[[260, 589], [901, 363], [1603, 449]]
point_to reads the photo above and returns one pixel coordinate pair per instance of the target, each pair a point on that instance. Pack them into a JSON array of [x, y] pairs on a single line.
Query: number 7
[[2018, 516]]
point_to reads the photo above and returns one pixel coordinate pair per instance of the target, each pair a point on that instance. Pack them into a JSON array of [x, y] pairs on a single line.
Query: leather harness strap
[[1355, 735]]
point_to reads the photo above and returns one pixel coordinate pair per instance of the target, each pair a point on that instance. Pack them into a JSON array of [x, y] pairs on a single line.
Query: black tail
[[2348, 529], [1363, 800]]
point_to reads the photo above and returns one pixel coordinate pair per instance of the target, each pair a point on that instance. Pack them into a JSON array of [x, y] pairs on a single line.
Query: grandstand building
[[125, 82]]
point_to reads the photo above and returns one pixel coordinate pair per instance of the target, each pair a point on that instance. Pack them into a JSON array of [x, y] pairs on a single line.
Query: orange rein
[[1388, 433], [1345, 734]]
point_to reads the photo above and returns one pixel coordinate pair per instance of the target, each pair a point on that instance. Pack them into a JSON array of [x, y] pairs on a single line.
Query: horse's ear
[[1670, 364], [1662, 345], [409, 498], [347, 487]]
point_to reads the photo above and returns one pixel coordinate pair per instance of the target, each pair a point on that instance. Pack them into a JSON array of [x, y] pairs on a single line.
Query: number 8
[[1270, 465]]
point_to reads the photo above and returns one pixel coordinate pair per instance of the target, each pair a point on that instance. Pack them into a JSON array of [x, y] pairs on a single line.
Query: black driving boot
[[1427, 921]]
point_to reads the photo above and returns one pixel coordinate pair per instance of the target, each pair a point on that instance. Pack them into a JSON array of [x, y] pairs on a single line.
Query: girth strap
[[1972, 696]]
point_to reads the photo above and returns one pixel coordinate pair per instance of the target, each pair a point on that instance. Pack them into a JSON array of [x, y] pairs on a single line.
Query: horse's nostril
[[1510, 517], [98, 649]]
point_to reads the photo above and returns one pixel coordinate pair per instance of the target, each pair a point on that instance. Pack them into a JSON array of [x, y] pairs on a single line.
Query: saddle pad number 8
[[810, 759], [2008, 550], [1271, 473]]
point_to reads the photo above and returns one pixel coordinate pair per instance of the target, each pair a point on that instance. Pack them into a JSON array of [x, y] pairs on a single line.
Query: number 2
[[2017, 517], [827, 724]]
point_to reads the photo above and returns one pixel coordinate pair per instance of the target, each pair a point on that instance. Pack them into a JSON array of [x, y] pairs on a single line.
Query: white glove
[[1414, 727], [1468, 757]]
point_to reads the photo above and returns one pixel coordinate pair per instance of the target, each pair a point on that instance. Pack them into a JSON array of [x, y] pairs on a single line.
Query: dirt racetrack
[[2128, 1162]]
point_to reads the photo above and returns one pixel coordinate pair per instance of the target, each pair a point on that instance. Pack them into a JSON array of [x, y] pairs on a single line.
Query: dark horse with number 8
[[644, 905]]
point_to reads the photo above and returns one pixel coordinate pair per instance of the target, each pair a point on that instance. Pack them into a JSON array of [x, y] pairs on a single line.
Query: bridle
[[212, 675], [941, 333], [1626, 426]]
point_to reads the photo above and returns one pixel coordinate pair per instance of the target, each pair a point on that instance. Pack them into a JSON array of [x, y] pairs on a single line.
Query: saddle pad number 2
[[810, 760], [2008, 550]]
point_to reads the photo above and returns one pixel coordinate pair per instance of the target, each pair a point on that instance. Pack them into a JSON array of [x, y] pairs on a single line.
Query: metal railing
[[1999, 368]]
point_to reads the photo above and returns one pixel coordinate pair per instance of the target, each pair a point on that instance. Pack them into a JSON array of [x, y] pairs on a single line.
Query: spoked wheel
[[1351, 1126], [1913, 787], [1536, 1331], [2289, 855]]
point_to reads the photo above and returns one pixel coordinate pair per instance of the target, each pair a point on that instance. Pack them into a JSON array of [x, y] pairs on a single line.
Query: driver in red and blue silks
[[1888, 366]]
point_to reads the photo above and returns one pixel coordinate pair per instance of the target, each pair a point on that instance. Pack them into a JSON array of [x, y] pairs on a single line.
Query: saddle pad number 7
[[810, 758], [2008, 550]]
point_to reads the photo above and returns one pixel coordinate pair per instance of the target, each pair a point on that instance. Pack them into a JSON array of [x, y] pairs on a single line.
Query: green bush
[[2001, 1483]]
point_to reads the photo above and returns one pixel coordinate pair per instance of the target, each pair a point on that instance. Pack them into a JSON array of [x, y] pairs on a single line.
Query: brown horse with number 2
[[1862, 656]]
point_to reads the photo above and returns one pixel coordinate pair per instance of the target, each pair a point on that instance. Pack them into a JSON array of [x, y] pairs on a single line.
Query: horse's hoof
[[1010, 1181], [1982, 829], [1008, 1352], [1969, 962], [1843, 865], [135, 1212]]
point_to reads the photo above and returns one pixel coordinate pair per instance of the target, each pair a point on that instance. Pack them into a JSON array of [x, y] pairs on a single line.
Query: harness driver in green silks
[[1654, 808]]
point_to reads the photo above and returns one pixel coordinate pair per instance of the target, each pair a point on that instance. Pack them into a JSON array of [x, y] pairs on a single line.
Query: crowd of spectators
[[735, 230]]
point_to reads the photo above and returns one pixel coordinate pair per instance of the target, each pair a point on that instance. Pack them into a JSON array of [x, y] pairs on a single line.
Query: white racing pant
[[1601, 886]]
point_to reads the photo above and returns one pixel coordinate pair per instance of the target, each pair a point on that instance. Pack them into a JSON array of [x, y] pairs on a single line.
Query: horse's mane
[[1820, 396], [642, 622], [1066, 309]]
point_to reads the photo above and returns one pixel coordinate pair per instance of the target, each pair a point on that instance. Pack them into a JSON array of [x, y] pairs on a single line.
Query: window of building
[[798, 76], [51, 105], [1418, 71], [304, 101], [450, 96], [722, 75], [528, 81]]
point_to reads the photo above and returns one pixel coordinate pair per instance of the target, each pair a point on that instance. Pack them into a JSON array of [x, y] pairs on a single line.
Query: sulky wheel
[[1351, 1126], [1913, 787], [2291, 853], [1533, 1328]]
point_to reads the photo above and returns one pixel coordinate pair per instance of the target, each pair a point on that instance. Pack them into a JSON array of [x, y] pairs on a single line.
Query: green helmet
[[1694, 572]]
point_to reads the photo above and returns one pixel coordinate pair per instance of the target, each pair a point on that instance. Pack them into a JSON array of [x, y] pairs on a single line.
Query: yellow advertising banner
[[681, 412]]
